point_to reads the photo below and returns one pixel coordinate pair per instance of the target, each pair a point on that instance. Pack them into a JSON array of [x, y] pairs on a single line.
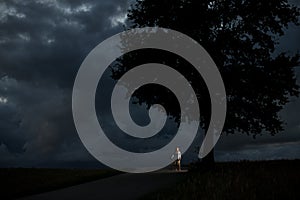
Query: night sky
[[43, 43]]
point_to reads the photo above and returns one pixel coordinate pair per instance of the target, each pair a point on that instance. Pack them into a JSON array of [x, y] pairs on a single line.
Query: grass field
[[18, 182], [239, 180], [233, 180]]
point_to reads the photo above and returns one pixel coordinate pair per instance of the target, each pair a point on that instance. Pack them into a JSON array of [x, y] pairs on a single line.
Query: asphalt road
[[124, 186]]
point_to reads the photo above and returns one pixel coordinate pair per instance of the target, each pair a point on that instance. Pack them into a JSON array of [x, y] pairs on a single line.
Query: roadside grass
[[19, 182], [238, 180]]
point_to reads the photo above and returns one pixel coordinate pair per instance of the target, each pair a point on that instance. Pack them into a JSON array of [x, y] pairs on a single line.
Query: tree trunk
[[209, 159]]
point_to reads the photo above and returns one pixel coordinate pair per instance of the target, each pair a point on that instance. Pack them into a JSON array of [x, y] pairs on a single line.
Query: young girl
[[177, 155]]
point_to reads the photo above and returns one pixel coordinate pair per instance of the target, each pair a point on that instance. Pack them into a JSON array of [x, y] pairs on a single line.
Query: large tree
[[241, 37]]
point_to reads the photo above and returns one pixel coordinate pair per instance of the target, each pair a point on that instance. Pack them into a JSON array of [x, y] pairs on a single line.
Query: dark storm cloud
[[284, 150], [42, 44], [35, 123], [49, 39]]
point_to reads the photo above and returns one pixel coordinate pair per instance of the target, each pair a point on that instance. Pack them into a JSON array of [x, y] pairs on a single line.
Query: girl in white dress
[[177, 155]]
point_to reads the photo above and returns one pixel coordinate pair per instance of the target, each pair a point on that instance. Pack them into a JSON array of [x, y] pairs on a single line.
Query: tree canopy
[[241, 37]]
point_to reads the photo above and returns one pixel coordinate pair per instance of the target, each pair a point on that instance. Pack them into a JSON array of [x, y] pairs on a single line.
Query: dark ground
[[124, 187], [233, 180], [239, 180], [18, 182]]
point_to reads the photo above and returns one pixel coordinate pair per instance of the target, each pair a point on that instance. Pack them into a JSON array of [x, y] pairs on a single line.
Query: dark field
[[18, 182], [242, 180], [234, 180]]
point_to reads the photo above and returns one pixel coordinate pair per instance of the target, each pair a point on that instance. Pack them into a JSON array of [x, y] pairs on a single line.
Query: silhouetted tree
[[241, 36]]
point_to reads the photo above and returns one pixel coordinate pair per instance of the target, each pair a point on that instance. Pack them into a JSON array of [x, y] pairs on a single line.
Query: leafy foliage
[[241, 36]]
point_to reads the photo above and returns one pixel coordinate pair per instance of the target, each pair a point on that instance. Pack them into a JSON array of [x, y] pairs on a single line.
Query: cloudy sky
[[43, 43]]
